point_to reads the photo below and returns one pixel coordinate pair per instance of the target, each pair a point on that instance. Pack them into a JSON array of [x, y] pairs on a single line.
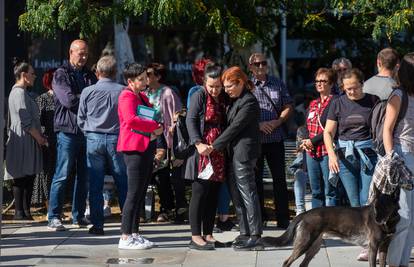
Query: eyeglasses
[[321, 81], [260, 63]]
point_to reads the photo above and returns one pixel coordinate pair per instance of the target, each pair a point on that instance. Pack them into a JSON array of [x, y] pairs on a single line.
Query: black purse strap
[[270, 100]]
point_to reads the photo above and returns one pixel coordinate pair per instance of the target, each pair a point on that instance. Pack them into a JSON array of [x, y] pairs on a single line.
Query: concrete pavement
[[33, 245]]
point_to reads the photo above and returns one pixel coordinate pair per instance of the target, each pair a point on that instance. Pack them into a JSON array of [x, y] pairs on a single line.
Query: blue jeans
[[223, 200], [100, 151], [399, 250], [323, 193], [356, 178], [71, 155], [299, 187]]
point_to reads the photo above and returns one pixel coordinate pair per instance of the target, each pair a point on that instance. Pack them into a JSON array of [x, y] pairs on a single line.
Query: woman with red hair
[[241, 140], [42, 182]]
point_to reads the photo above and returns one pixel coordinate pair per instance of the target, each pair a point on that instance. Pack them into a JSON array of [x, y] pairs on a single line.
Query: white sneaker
[[140, 239], [130, 243]]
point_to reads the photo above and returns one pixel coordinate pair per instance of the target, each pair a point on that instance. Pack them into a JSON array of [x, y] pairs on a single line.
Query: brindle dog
[[371, 225]]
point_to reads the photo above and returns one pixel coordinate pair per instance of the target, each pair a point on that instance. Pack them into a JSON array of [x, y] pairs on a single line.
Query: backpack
[[181, 140], [376, 121]]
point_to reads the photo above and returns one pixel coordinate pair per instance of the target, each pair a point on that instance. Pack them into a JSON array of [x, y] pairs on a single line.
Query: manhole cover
[[130, 260]]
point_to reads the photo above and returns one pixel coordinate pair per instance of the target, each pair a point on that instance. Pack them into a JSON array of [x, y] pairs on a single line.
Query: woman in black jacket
[[241, 140], [205, 121]]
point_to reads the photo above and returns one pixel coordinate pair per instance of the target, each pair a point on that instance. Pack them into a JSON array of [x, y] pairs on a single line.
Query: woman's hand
[[204, 149], [41, 140], [333, 163], [159, 131], [307, 145]]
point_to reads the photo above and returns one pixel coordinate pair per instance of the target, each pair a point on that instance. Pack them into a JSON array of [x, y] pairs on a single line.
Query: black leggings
[[203, 205], [139, 170], [22, 192]]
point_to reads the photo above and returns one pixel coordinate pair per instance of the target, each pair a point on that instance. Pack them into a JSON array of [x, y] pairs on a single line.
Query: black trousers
[[203, 205], [275, 156], [171, 188], [242, 187], [139, 170], [22, 192]]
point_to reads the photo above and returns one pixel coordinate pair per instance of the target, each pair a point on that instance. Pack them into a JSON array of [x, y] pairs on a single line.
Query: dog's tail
[[285, 239]]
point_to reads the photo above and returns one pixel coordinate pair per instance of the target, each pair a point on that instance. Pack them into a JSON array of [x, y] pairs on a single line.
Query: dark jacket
[[195, 127], [241, 137], [66, 97]]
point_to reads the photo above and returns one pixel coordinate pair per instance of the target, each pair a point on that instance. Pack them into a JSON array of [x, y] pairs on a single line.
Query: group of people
[[336, 147], [234, 123]]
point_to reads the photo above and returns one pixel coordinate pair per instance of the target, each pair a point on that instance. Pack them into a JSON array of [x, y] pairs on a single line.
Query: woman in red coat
[[137, 141]]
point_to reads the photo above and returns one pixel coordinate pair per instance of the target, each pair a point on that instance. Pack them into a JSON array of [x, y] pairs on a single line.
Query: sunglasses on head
[[260, 63]]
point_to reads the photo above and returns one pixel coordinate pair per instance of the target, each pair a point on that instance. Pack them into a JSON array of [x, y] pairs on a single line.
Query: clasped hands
[[268, 127], [204, 149], [306, 145]]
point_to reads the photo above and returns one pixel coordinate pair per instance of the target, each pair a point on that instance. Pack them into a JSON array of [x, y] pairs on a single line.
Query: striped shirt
[[279, 94]]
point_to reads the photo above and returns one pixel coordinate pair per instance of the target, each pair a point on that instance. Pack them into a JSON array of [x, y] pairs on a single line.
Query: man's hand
[[276, 123], [266, 127]]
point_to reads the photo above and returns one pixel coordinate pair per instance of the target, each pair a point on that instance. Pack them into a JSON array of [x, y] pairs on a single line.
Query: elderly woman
[[323, 193], [23, 152], [241, 139], [205, 121], [354, 160]]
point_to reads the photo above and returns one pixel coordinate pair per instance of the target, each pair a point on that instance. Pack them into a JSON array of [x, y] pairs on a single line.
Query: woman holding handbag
[[137, 141], [205, 121]]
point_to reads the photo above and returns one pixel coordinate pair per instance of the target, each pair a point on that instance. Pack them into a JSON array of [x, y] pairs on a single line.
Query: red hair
[[197, 70], [48, 78], [236, 74]]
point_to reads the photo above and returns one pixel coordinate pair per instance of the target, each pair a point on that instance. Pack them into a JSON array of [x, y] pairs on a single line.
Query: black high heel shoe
[[207, 246]]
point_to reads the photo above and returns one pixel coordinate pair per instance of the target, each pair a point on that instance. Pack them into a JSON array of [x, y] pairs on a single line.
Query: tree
[[245, 21]]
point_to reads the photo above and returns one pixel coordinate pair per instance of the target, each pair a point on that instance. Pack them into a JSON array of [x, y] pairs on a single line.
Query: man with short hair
[[383, 83], [275, 106], [68, 83], [98, 120]]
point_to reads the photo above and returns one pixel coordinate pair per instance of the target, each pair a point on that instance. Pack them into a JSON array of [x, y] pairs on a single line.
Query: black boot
[[250, 244]]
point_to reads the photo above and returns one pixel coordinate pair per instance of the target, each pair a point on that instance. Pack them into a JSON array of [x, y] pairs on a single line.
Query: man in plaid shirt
[[275, 106]]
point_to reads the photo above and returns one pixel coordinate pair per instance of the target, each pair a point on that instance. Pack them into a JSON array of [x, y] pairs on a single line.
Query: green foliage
[[246, 21]]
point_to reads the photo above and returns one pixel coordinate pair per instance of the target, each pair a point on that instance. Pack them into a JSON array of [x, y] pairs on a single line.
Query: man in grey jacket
[[98, 119]]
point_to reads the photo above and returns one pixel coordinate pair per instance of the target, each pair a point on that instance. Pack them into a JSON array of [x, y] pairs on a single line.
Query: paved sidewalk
[[34, 245]]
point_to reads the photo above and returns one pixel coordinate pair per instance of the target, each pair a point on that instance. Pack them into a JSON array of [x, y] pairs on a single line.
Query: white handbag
[[207, 172]]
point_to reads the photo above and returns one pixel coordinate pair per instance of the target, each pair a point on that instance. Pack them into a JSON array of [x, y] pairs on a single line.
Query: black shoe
[[240, 240], [19, 215], [284, 224], [207, 246], [96, 231], [251, 244], [225, 226], [217, 230], [218, 244]]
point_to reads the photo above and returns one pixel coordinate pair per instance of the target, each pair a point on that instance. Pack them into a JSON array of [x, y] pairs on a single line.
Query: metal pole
[[283, 43], [2, 92]]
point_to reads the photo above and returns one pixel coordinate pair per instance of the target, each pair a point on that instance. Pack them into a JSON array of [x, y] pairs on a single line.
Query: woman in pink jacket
[[137, 141]]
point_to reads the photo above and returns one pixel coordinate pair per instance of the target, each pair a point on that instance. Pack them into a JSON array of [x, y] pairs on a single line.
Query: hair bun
[[16, 61]]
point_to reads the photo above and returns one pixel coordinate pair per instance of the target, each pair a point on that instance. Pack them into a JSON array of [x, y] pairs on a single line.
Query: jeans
[[299, 188], [356, 178], [101, 152], [71, 154], [223, 200], [242, 186], [275, 156], [323, 192], [399, 250]]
